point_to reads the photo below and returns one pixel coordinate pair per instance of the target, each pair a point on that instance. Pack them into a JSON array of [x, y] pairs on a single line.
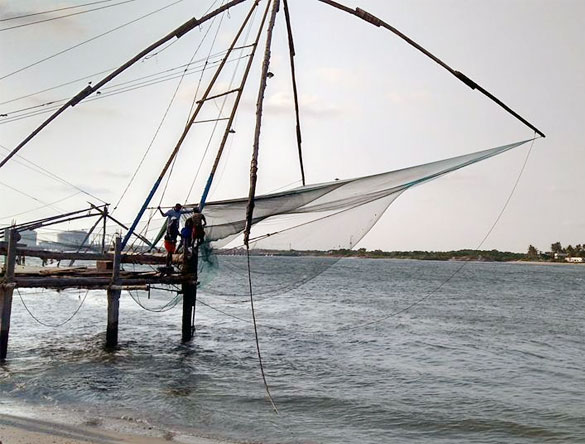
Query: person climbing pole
[[199, 224]]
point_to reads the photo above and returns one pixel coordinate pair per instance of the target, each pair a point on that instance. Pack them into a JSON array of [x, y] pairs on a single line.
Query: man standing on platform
[[173, 218]]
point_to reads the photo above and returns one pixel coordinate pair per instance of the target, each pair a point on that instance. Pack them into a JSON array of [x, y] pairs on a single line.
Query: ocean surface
[[489, 353]]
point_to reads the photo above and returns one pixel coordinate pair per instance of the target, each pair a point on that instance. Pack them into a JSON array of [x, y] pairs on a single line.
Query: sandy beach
[[21, 430]]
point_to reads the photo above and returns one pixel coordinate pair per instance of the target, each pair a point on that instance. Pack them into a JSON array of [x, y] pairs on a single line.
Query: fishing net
[[300, 233]]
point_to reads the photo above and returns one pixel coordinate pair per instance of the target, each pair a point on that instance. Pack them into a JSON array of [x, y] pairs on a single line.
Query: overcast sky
[[369, 103]]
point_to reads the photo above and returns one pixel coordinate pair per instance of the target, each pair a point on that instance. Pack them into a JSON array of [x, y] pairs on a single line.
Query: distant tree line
[[455, 255], [474, 255]]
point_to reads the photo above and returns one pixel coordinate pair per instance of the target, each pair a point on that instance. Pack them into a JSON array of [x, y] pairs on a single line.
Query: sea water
[[370, 351]]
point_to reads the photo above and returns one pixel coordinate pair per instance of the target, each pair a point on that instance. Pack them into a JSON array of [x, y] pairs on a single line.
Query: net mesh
[[320, 219]]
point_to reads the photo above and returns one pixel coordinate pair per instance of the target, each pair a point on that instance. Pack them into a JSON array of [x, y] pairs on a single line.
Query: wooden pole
[[189, 289], [114, 299], [6, 289]]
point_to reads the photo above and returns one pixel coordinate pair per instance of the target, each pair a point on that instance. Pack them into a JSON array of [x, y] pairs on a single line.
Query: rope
[[52, 325], [66, 15], [88, 40], [49, 174], [14, 17], [163, 308], [256, 335]]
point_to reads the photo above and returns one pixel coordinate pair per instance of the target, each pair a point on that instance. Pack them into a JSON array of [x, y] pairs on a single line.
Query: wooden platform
[[94, 271]]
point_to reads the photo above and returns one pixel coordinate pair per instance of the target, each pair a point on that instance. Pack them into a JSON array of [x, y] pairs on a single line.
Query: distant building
[[561, 255], [73, 238], [574, 259], [29, 238]]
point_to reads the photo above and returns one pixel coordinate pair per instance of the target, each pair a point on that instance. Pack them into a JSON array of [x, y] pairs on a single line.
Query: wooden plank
[[128, 258], [94, 282]]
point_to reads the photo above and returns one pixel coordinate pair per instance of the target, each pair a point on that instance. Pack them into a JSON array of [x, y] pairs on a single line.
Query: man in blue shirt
[[173, 217]]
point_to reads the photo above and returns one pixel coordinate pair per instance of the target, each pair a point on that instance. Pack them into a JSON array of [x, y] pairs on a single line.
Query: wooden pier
[[105, 273]]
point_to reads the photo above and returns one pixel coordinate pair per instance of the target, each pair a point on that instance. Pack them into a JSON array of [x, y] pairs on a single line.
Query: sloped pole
[[189, 25], [373, 20]]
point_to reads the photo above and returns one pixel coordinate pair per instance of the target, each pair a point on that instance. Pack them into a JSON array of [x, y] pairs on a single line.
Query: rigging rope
[[52, 325], [66, 15], [52, 10], [89, 40], [256, 335], [47, 173]]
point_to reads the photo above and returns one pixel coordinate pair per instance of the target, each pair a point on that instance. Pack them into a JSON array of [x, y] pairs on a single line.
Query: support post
[[6, 289], [189, 289], [114, 299], [105, 219]]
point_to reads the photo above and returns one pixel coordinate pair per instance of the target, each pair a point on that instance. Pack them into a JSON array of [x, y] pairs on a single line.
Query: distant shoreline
[[453, 256]]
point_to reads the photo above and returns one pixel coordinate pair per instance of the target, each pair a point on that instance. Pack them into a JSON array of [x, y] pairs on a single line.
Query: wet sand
[[21, 430]]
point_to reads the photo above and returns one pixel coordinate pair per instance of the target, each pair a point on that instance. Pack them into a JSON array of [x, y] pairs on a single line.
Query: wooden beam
[[126, 258], [94, 282]]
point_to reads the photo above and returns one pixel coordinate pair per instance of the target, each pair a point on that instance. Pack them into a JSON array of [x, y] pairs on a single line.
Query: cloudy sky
[[369, 103]]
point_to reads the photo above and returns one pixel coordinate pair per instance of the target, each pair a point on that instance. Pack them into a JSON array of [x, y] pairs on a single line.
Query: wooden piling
[[6, 289], [189, 290], [114, 299]]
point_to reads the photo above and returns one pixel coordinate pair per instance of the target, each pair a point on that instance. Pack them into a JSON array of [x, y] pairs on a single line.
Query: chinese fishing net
[[298, 234]]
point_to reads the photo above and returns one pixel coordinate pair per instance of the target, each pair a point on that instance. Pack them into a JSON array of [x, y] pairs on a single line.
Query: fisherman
[[186, 236], [173, 217], [199, 224]]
